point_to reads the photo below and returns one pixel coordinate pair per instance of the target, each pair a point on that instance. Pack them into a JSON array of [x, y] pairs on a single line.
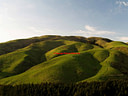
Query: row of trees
[[106, 88]]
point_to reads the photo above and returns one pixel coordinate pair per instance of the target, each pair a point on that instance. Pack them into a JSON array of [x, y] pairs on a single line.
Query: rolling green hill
[[34, 60]]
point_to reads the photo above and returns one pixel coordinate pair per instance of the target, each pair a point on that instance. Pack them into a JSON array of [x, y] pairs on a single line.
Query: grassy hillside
[[65, 68], [20, 60], [34, 61], [115, 44], [86, 66], [13, 45]]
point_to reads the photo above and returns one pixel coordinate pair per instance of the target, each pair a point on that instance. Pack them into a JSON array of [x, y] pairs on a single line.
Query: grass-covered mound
[[35, 62]]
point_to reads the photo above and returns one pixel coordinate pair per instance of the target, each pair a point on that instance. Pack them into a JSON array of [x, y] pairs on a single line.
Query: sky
[[89, 18]]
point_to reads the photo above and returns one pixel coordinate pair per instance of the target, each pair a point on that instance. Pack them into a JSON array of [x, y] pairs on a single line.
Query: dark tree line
[[106, 88]]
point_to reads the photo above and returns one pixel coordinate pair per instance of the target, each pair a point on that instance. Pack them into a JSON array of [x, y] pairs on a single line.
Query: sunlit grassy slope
[[99, 59]]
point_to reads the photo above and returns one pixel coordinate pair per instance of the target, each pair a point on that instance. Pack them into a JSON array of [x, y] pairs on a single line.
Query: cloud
[[89, 28], [92, 31], [122, 3], [123, 38]]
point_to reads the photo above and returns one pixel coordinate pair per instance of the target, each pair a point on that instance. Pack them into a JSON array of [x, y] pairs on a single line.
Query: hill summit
[[33, 60]]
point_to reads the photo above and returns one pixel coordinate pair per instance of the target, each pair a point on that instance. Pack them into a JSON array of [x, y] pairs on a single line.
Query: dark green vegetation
[[106, 88], [33, 60]]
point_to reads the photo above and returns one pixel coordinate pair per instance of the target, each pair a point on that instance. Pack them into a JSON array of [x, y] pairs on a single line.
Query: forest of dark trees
[[106, 88]]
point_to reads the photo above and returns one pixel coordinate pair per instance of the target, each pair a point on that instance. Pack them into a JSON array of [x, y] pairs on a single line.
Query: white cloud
[[92, 31], [123, 38], [89, 28], [122, 3]]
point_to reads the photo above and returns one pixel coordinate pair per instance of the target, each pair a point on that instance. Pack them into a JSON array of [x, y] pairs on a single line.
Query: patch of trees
[[106, 88]]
